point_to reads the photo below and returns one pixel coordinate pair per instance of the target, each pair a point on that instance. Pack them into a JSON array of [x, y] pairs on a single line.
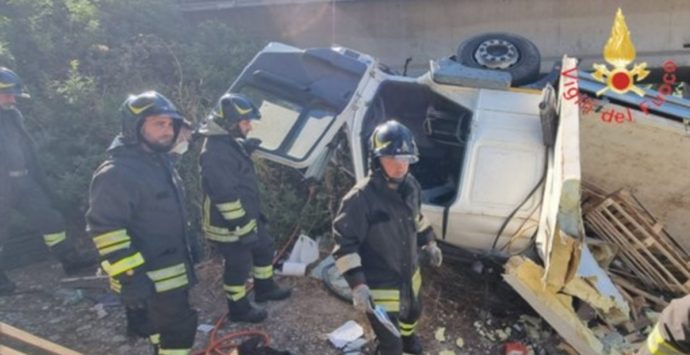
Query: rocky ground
[[465, 312]]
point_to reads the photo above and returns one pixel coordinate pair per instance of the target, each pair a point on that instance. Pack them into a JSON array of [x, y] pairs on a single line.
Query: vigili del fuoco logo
[[619, 52]]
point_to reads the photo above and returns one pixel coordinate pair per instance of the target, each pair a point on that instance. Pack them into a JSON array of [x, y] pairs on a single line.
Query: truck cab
[[482, 153]]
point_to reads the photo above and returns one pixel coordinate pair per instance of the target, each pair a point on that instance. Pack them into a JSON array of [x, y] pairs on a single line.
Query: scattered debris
[[649, 256], [100, 311], [643, 260], [304, 252], [515, 348], [440, 334], [446, 352], [69, 296], [564, 347], [293, 269], [526, 277], [460, 342], [204, 328], [346, 334]]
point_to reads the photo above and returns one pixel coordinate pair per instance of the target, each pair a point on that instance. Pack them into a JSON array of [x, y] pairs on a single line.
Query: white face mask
[[180, 148]]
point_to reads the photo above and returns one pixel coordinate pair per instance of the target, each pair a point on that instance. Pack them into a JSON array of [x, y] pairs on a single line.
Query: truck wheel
[[502, 51]]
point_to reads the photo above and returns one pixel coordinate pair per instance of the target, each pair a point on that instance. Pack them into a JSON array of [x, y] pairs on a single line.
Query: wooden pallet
[[12, 339], [648, 252]]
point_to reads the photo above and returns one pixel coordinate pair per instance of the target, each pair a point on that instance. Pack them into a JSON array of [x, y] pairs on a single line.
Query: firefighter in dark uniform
[[22, 187], [671, 334], [378, 231], [232, 218], [138, 222]]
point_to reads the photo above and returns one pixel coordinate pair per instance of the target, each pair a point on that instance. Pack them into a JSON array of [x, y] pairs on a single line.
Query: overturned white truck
[[499, 155]]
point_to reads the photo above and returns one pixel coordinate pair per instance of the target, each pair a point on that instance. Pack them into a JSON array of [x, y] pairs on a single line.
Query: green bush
[[81, 58]]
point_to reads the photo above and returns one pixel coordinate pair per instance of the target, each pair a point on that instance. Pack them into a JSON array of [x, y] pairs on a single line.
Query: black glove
[[137, 290]]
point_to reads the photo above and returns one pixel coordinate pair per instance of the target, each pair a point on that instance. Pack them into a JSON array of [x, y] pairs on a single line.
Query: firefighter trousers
[[403, 311], [174, 320], [25, 195], [240, 260]]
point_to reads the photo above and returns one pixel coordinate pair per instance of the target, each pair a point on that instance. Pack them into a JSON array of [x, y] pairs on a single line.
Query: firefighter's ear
[[378, 216]]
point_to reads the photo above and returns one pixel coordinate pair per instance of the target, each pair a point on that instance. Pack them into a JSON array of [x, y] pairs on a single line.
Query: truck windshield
[[287, 128]]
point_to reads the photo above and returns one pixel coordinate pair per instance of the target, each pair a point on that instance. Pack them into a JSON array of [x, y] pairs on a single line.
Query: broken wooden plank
[[5, 350], [35, 341], [631, 288], [525, 277]]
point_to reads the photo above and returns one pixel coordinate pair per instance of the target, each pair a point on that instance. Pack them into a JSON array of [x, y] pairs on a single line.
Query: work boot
[[6, 285], [73, 262], [244, 311], [268, 290], [411, 344]]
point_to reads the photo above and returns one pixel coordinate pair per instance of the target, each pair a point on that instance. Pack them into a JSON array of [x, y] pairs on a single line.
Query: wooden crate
[[653, 258]]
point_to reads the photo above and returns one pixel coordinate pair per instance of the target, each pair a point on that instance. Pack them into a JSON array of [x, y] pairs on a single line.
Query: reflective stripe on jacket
[[137, 218], [378, 231], [231, 206]]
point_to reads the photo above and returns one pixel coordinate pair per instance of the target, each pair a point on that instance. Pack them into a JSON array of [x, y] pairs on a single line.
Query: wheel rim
[[497, 54]]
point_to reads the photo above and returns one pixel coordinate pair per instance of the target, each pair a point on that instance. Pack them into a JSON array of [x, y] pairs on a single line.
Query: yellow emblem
[[378, 143], [241, 111], [619, 51], [138, 110]]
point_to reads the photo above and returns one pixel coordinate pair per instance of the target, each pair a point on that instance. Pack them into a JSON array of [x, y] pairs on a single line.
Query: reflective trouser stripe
[[389, 299], [224, 235], [407, 329], [155, 339], [122, 265], [235, 292], [416, 283], [115, 285], [263, 272], [657, 345], [169, 278], [173, 351], [112, 241], [54, 238]]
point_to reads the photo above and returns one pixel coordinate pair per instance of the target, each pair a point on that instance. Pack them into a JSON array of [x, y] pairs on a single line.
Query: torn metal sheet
[[525, 276], [599, 290], [561, 189], [569, 265], [569, 269]]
